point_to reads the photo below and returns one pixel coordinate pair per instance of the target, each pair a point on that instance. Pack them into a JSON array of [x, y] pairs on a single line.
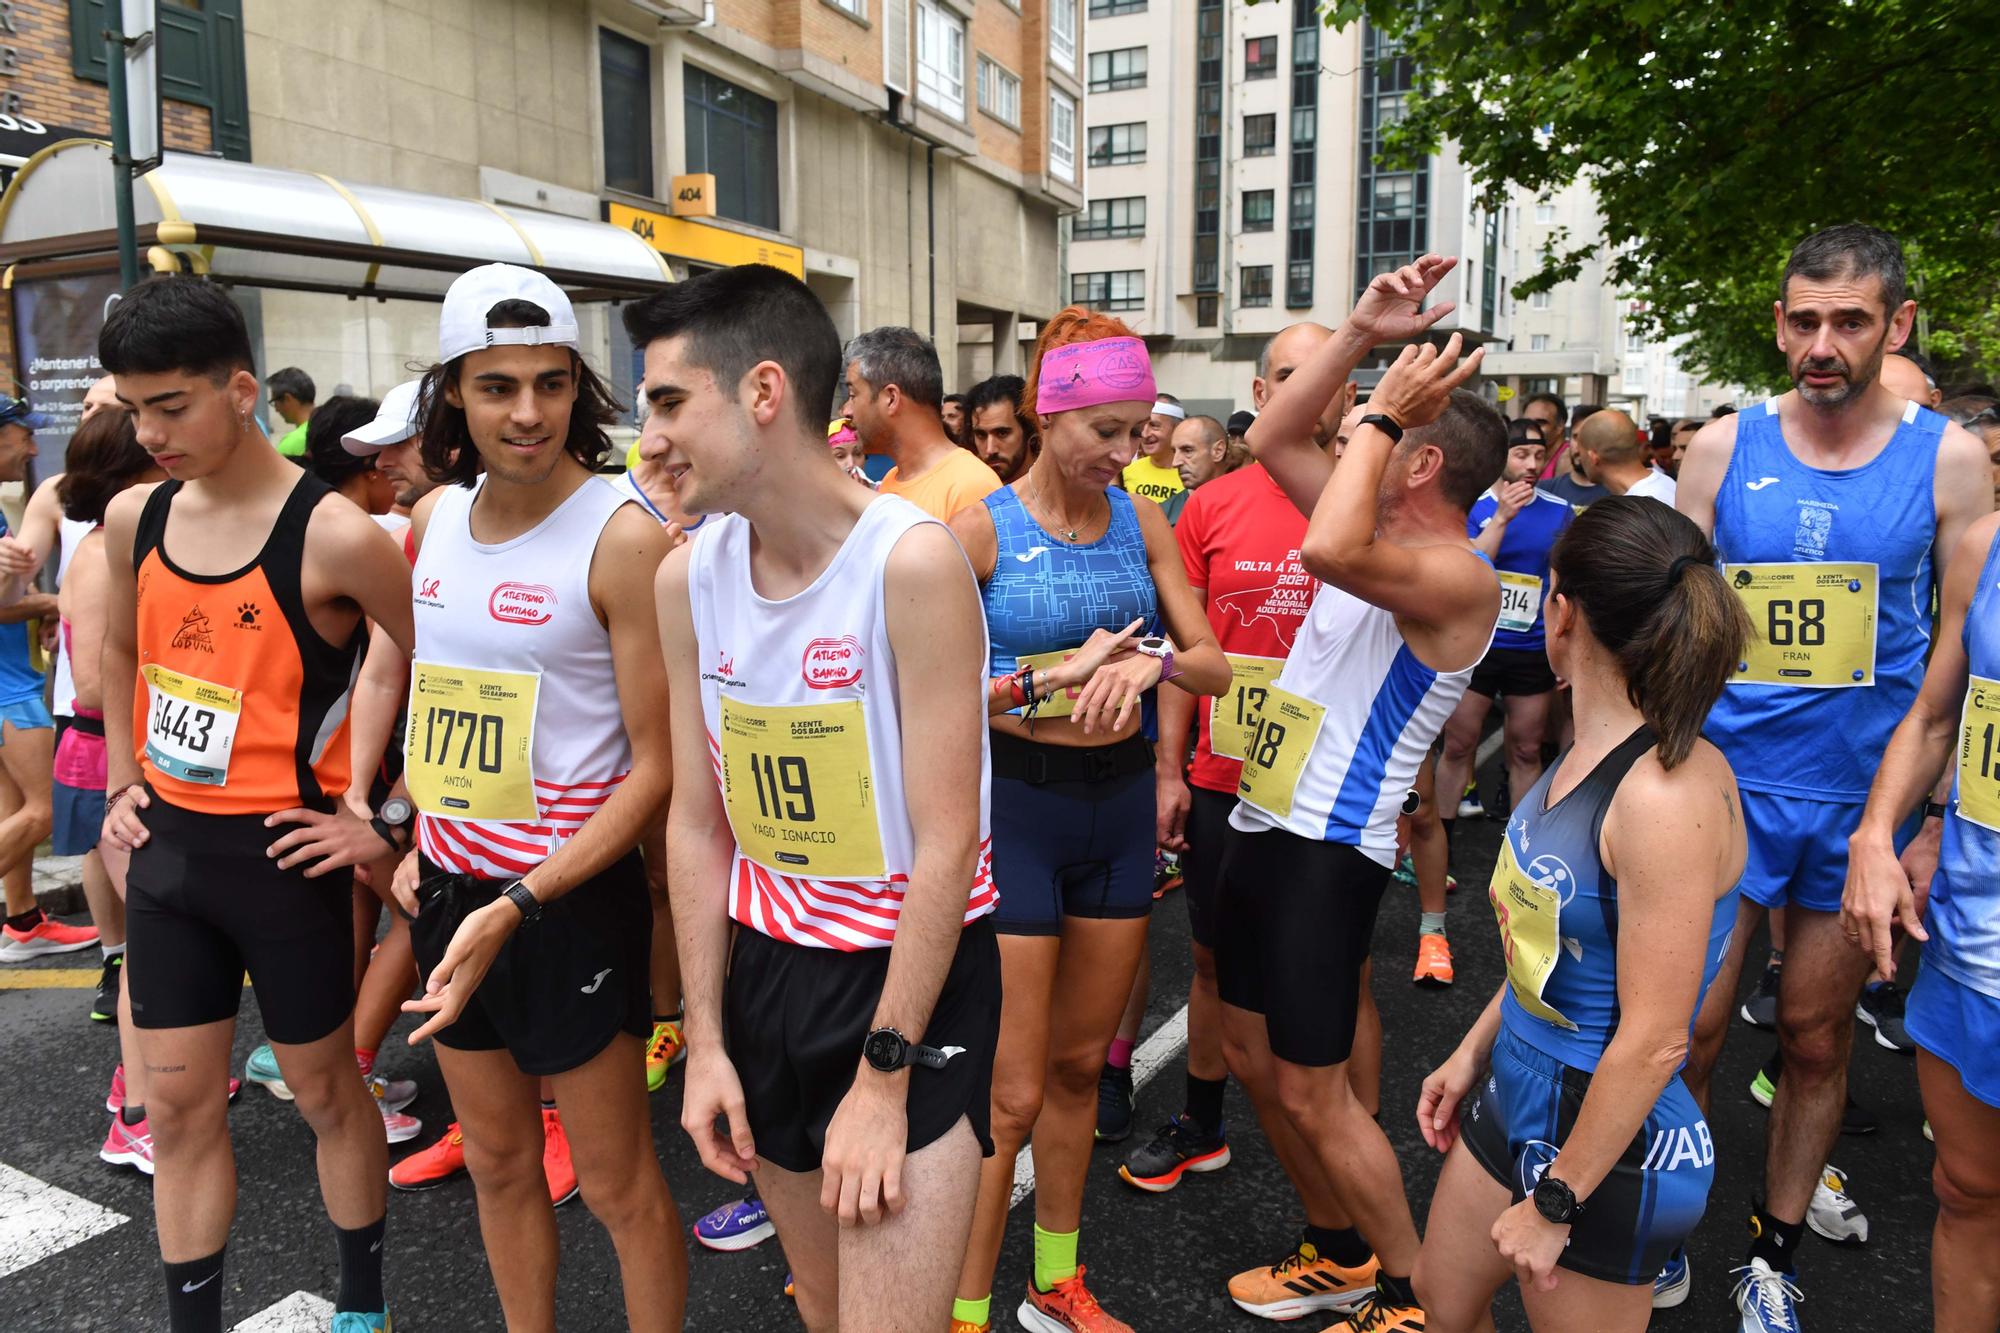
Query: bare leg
[[896, 1276], [666, 975], [186, 1080], [498, 1110], [353, 1155], [1711, 1021], [107, 905], [16, 876], [1135, 1007], [1459, 1271], [1355, 1155], [115, 864], [1204, 1022], [391, 975], [1461, 745], [1430, 853], [1364, 1064], [1965, 1282], [1820, 983], [1524, 722], [812, 1242], [1588, 1302], [1248, 1051]]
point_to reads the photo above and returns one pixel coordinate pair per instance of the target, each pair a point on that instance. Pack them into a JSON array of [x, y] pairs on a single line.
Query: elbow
[[1320, 558]]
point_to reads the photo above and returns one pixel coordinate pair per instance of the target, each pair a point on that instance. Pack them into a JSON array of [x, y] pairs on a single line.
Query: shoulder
[[924, 562], [1548, 501], [973, 476], [1960, 446], [126, 506], [1699, 786], [1719, 435], [339, 527], [45, 496]]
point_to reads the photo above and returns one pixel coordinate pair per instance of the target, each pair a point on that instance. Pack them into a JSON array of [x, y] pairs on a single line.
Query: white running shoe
[[1832, 1214]]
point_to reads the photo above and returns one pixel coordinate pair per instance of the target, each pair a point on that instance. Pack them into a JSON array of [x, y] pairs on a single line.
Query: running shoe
[[1468, 804], [1503, 797], [1928, 1135], [45, 937], [556, 1164], [1405, 873], [1832, 1214], [1671, 1287], [262, 1068], [1180, 1146], [1433, 962], [735, 1226], [1854, 1117], [1881, 1008], [104, 1005], [1380, 1312], [1166, 872], [1114, 1105], [967, 1326], [1766, 1301], [1306, 1281], [128, 1145], [1761, 1009], [433, 1165], [393, 1093], [114, 1100], [353, 1321], [791, 1291], [663, 1052], [1067, 1307], [398, 1127]]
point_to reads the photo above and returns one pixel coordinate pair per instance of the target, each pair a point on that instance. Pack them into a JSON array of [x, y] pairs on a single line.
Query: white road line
[[1151, 1056], [38, 1220], [300, 1312], [1487, 749]]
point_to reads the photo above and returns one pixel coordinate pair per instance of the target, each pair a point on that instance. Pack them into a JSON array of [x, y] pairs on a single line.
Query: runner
[[292, 395], [1406, 610], [1071, 569], [1201, 454], [1152, 474], [1954, 1009], [1003, 432], [532, 925], [233, 627], [350, 475], [849, 1046], [1838, 602], [1582, 1148], [894, 388], [1614, 456], [849, 452]]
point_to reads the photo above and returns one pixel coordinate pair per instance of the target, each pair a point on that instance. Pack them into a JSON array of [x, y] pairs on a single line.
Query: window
[[1395, 196], [1062, 37], [1538, 342], [1121, 289], [1105, 9], [1538, 301], [999, 92], [1255, 285], [200, 45], [940, 59], [1299, 284], [1107, 219], [1258, 209], [1062, 136], [1207, 312], [1117, 145], [733, 134], [1635, 338], [1260, 58], [857, 8], [625, 80], [1305, 125], [1545, 212], [1393, 213], [1260, 136], [1112, 70]]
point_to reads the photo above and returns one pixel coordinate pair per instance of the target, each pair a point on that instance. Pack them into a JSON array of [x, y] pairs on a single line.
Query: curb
[[59, 885]]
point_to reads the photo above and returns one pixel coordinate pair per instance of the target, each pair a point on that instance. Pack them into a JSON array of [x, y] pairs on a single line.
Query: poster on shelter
[[56, 321]]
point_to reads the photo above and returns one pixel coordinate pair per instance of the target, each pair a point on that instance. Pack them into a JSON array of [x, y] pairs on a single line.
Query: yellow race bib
[[800, 789], [1280, 743], [1812, 625], [1979, 753], [1063, 702], [1233, 716], [1520, 600], [190, 725], [470, 747], [1530, 916]]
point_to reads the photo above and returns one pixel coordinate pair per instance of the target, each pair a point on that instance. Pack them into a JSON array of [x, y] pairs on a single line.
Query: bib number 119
[[784, 787]]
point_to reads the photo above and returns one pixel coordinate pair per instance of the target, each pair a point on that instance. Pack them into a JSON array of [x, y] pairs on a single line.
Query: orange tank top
[[240, 707]]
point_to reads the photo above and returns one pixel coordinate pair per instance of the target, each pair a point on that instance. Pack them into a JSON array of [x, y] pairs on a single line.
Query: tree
[[1716, 136]]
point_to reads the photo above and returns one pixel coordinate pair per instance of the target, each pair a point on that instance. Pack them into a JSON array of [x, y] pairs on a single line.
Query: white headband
[[1166, 409]]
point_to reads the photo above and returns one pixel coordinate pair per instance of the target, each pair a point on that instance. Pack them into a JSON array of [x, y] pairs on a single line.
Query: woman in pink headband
[[1074, 572]]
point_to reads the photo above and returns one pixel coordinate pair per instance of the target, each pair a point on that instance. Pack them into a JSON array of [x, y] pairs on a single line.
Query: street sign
[[143, 117], [694, 196]]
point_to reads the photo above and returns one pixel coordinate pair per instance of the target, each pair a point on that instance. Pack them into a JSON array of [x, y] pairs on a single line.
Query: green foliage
[[1717, 135]]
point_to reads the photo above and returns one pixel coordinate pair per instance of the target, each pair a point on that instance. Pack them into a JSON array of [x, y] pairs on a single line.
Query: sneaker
[[393, 1093], [262, 1068], [353, 1321], [1179, 1147], [1166, 872], [104, 1006], [114, 1100], [663, 1052], [1761, 1009], [1067, 1307], [1114, 1105], [1767, 1301], [1832, 1214], [735, 1226], [1469, 806], [433, 1165], [967, 1326], [791, 1290], [1881, 1008], [1671, 1287], [45, 937], [1379, 1312], [128, 1145], [1763, 1089], [1405, 873], [556, 1164], [1303, 1283], [1433, 962]]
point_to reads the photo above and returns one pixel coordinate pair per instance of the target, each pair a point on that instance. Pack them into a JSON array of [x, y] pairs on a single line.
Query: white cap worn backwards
[[462, 327], [395, 421]]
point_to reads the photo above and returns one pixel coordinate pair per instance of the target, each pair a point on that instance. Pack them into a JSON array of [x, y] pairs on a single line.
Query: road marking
[[1487, 749], [300, 1312], [38, 1220], [1151, 1056], [58, 978]]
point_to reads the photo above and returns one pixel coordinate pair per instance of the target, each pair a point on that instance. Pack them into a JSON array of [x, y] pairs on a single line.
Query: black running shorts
[[1512, 673], [794, 1019], [1201, 863]]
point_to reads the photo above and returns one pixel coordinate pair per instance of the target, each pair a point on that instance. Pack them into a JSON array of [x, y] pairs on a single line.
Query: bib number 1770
[[479, 739]]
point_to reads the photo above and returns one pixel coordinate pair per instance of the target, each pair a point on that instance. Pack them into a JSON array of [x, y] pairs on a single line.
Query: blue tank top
[[1964, 913], [1047, 596], [1524, 551], [18, 678], [1824, 740], [1558, 912]]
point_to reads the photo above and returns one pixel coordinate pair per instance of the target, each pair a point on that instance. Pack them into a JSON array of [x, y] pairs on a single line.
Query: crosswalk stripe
[[38, 1220], [1152, 1055], [300, 1312]]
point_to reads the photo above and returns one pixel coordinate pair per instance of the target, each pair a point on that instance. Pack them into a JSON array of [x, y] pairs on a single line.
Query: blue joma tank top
[[1964, 913], [1047, 596]]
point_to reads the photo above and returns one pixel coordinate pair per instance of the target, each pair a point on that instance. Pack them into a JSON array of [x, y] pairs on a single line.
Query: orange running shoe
[[967, 1326], [1306, 1281], [663, 1052], [431, 1166], [1067, 1307], [46, 936], [1381, 1313], [555, 1158], [1433, 962]]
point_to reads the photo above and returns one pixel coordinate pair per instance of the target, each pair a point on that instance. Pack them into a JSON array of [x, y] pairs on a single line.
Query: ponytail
[[1645, 579]]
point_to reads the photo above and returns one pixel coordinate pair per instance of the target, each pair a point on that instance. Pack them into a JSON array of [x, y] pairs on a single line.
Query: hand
[[1391, 307], [1415, 389], [1172, 801], [356, 800], [1920, 860], [51, 628], [340, 839], [1444, 1092], [403, 886], [710, 1090], [1102, 646], [123, 832], [1513, 498], [474, 946], [861, 1169], [1531, 1243], [1116, 685], [1878, 896], [17, 557], [676, 534]]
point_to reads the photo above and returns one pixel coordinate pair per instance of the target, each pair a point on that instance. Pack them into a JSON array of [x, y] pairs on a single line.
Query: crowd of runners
[[853, 791]]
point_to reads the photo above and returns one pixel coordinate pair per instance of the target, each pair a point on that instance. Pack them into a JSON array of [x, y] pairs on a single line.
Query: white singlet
[[801, 702], [626, 486], [69, 532]]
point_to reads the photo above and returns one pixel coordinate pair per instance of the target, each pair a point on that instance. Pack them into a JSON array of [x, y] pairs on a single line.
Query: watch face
[[884, 1050], [396, 810]]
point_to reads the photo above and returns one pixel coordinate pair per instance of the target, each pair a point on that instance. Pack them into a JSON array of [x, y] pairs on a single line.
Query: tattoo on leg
[[166, 1069]]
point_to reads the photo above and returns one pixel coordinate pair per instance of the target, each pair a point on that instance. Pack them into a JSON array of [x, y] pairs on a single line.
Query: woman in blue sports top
[[1581, 1149]]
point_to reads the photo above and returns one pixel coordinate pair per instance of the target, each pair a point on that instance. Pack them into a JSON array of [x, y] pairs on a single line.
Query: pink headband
[[1110, 370]]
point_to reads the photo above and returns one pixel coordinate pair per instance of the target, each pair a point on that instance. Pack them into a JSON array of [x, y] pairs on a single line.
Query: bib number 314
[[471, 740], [190, 726], [799, 788]]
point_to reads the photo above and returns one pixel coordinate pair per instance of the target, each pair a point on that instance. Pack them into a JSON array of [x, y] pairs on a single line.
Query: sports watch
[[1386, 424], [1556, 1201], [1159, 648], [394, 817], [888, 1050], [1933, 810], [518, 894]]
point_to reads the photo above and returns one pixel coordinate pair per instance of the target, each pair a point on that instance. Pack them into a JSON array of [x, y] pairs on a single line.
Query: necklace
[[1068, 534]]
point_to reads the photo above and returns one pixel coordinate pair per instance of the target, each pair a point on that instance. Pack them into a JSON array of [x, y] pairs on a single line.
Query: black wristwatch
[[1387, 425], [517, 893], [393, 818], [1932, 810], [888, 1050], [1556, 1201]]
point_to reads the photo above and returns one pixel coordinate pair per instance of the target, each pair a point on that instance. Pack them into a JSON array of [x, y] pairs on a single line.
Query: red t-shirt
[[1239, 538]]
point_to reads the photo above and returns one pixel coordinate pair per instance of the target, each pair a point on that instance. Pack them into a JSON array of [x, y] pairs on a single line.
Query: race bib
[[1520, 600], [190, 726], [800, 790], [1233, 716], [1530, 918], [470, 747], [1063, 702], [1979, 753], [1280, 743], [1812, 625]]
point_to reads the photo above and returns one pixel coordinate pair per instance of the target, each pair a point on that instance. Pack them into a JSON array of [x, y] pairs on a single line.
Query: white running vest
[[801, 703], [514, 716], [69, 532]]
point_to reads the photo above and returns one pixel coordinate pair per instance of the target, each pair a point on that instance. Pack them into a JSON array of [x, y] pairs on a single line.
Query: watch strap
[[523, 898], [1388, 425], [386, 832], [1932, 810]]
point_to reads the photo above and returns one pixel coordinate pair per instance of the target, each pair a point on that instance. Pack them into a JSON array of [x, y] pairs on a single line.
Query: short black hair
[[1553, 400], [176, 322], [1473, 437], [1851, 250], [326, 457], [900, 356], [995, 389], [1240, 421], [1721, 411], [291, 380], [103, 458], [734, 318], [958, 398], [1920, 361], [1583, 412]]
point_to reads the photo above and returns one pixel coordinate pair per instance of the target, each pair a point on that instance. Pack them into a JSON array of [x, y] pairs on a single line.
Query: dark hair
[[1850, 250], [1920, 361], [103, 458], [1000, 389], [1583, 412], [1161, 396], [291, 380], [1240, 421], [449, 455], [1520, 428], [903, 357], [734, 318], [958, 398], [1645, 579], [1722, 410], [1473, 438], [175, 322], [1562, 408], [326, 457]]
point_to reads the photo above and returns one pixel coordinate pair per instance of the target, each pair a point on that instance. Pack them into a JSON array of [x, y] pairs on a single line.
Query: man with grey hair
[[895, 398]]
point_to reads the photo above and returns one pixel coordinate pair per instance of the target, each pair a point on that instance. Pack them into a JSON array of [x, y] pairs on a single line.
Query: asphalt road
[[1156, 1261]]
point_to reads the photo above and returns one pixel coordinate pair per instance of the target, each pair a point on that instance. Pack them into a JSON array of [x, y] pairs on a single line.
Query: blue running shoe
[[262, 1067], [1671, 1287], [1767, 1300], [353, 1321], [735, 1226]]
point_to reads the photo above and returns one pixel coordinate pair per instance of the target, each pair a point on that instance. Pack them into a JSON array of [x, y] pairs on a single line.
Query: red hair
[[1071, 324]]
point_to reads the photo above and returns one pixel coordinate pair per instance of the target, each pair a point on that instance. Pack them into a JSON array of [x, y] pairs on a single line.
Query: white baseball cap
[[395, 421], [462, 327]]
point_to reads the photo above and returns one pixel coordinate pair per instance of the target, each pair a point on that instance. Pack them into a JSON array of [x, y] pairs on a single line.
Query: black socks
[[28, 920], [1344, 1246], [361, 1268], [194, 1295], [1204, 1102], [129, 1114], [1775, 1242]]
